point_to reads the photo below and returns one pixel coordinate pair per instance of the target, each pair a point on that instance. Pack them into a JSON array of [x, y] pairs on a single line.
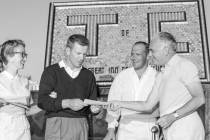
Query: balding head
[[168, 39], [163, 47]]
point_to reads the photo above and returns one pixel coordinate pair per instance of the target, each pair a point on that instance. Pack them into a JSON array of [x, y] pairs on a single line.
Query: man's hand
[[95, 108], [110, 134], [114, 105], [166, 120], [74, 104]]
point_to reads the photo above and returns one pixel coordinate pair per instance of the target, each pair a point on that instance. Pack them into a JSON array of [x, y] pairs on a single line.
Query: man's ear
[[67, 51], [166, 50]]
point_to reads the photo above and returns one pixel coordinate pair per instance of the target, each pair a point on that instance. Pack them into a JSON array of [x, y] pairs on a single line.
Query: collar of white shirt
[[174, 59], [73, 73], [8, 75]]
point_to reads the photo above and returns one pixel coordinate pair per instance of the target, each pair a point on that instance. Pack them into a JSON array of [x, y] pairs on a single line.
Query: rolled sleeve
[[189, 73], [114, 94]]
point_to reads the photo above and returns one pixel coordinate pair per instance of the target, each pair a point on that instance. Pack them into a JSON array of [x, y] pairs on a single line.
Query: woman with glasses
[[14, 93]]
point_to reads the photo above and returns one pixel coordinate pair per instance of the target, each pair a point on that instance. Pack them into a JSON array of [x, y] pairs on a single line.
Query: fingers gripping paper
[[93, 102]]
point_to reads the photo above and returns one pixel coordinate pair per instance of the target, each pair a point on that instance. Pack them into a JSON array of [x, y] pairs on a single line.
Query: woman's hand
[[95, 109]]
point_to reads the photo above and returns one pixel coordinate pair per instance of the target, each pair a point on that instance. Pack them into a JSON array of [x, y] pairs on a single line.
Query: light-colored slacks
[[61, 128], [187, 128], [135, 130]]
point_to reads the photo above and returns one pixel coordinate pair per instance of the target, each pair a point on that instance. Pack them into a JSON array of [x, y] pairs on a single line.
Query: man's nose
[[82, 57], [150, 58], [150, 54], [132, 57]]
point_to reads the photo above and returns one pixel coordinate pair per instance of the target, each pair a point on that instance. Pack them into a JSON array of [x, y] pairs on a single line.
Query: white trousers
[[186, 128], [135, 130]]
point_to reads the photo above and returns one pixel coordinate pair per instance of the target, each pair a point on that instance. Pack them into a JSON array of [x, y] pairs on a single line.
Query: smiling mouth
[[134, 62], [80, 62]]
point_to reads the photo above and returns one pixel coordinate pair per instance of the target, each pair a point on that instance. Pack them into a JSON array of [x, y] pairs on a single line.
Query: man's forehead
[[139, 47], [77, 45]]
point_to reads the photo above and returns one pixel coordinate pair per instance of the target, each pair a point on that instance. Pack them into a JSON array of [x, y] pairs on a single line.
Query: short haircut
[[146, 45], [7, 48], [80, 39], [167, 37]]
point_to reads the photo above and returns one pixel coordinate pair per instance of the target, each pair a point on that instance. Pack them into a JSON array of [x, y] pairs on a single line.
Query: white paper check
[[93, 102]]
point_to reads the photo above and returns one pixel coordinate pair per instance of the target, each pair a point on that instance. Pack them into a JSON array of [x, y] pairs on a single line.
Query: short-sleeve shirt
[[127, 86], [173, 92]]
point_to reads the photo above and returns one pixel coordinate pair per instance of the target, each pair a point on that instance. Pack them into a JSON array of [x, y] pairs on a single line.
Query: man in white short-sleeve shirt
[[178, 91]]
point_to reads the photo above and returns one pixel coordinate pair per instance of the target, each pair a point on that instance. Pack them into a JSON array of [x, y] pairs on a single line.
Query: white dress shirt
[[73, 73], [127, 86], [178, 72], [174, 94]]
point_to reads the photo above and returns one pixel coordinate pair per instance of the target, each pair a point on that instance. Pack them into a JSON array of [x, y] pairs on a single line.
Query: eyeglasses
[[23, 54]]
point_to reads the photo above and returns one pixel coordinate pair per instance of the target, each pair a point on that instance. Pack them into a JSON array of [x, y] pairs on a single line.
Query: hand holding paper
[[74, 104], [95, 109], [111, 105], [93, 102], [114, 105]]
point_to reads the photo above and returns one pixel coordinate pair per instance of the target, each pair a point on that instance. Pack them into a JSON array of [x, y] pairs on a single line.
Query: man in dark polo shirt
[[63, 87]]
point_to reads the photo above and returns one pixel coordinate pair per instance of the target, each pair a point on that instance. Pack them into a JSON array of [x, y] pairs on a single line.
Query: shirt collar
[[146, 70], [63, 65], [8, 75], [174, 59]]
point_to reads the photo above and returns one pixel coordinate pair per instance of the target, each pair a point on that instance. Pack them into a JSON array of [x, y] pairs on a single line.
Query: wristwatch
[[176, 115]]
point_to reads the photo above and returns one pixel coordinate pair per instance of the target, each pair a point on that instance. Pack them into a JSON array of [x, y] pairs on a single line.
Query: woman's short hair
[[7, 48]]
